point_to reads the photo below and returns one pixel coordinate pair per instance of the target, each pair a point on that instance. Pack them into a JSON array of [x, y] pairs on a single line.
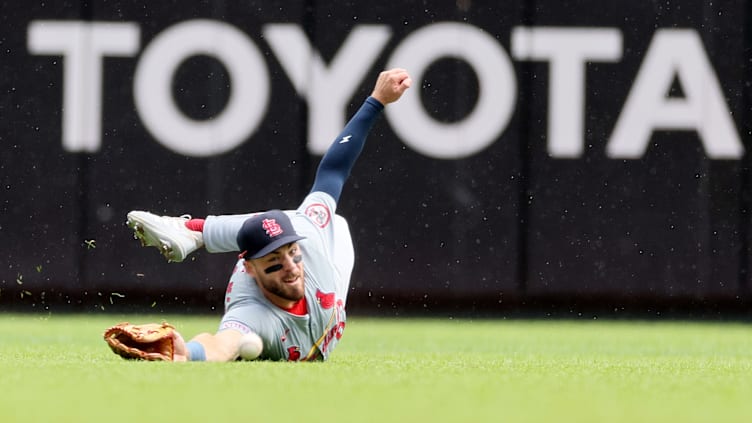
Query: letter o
[[496, 98], [249, 81]]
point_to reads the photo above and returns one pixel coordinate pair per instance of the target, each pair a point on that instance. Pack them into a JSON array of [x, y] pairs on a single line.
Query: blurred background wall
[[553, 157]]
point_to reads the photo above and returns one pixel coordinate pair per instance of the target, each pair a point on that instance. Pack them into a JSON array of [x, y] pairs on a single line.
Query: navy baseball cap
[[264, 233]]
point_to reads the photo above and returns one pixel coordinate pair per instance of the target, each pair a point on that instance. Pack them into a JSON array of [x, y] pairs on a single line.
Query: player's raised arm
[[339, 160]]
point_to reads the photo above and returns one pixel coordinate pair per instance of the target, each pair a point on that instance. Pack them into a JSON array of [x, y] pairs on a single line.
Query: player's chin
[[296, 289]]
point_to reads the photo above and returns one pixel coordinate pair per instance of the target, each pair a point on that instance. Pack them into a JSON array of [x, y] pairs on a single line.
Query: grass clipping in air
[[58, 368]]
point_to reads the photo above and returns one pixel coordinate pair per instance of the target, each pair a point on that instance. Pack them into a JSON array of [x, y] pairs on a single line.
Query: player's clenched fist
[[390, 85]]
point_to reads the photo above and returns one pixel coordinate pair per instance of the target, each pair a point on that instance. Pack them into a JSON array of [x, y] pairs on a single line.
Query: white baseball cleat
[[169, 234]]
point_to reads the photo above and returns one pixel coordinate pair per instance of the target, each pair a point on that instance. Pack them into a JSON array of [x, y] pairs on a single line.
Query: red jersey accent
[[195, 224], [326, 300], [293, 353], [299, 309]]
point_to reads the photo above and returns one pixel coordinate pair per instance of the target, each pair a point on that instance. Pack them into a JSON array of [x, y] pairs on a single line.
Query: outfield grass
[[57, 369]]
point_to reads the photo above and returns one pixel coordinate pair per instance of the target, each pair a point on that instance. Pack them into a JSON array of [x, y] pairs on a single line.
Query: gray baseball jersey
[[328, 259]]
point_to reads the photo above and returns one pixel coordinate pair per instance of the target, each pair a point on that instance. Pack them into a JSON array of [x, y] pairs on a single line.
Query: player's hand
[[390, 85]]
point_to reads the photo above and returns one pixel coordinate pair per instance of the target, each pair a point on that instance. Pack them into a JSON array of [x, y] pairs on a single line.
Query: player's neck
[[299, 308]]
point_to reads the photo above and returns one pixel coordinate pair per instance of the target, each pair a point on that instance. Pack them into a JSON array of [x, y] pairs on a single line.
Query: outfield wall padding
[[548, 153]]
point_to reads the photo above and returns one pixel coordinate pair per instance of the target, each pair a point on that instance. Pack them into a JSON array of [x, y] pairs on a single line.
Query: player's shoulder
[[318, 208]]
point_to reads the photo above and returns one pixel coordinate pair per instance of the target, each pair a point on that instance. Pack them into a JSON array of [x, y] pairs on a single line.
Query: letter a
[[675, 54]]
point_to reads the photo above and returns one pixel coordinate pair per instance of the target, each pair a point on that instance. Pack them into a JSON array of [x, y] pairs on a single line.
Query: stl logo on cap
[[271, 227]]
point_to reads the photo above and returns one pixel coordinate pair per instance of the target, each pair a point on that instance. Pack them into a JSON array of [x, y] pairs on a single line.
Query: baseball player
[[289, 286]]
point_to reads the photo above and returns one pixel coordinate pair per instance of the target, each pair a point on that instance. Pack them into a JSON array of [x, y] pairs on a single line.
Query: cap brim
[[276, 244]]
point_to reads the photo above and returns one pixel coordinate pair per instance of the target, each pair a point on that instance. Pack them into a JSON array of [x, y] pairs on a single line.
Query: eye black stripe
[[272, 269], [277, 267]]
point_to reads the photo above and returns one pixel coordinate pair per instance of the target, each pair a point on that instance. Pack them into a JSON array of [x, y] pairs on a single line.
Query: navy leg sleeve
[[335, 166]]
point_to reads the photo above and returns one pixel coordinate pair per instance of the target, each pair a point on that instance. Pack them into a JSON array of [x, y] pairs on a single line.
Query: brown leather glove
[[151, 341]]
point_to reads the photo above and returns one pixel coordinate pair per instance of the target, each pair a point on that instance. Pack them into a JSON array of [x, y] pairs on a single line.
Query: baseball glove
[[151, 341]]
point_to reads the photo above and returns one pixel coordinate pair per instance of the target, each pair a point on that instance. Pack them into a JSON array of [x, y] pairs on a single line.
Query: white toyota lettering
[[674, 54]]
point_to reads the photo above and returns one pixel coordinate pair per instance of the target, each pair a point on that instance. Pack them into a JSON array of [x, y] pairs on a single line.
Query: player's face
[[280, 274]]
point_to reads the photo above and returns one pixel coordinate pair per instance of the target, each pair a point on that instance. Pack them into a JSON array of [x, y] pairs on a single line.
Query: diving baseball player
[[289, 286]]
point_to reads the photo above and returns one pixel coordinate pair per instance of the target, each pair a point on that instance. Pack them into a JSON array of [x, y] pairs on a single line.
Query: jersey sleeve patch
[[234, 324], [319, 214]]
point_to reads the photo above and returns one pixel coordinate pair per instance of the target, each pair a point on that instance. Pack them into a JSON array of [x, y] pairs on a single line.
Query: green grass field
[[57, 369]]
